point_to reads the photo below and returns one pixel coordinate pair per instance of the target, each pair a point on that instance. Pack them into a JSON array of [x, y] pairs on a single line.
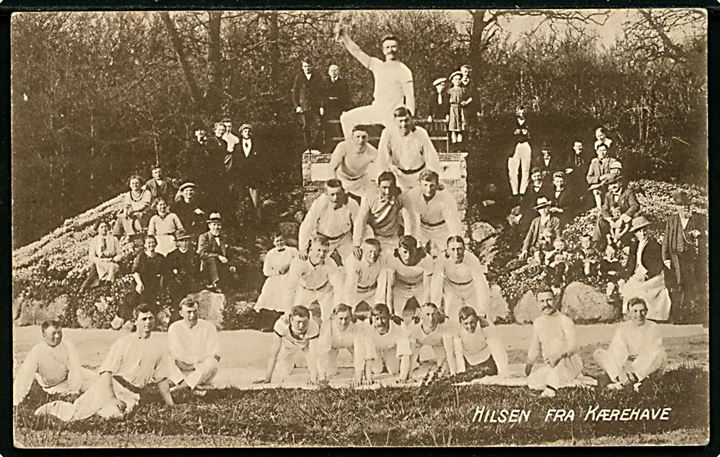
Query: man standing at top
[[519, 160], [337, 100], [307, 98], [393, 84], [406, 150], [230, 138]]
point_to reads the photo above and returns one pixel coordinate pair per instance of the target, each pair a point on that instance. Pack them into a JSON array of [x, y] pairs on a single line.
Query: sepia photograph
[[360, 228]]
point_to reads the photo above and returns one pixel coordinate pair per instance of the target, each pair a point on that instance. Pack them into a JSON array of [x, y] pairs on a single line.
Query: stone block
[[583, 303]]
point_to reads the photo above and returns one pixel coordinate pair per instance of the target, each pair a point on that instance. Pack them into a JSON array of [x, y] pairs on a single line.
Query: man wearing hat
[[406, 150], [563, 201], [618, 195], [160, 187], [538, 188], [683, 244], [440, 104], [544, 222], [183, 266], [249, 171], [188, 210], [520, 160], [214, 251], [546, 162], [644, 273]]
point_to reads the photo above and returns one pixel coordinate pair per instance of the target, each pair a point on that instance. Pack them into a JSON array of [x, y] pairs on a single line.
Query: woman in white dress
[[276, 266], [105, 252], [133, 217], [163, 225]]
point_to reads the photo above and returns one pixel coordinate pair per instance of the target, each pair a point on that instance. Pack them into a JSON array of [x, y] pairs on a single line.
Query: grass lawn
[[435, 415]]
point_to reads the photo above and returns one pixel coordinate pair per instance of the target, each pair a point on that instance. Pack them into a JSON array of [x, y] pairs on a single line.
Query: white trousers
[[388, 357], [561, 374], [371, 114], [619, 367], [203, 373], [286, 362], [91, 403], [519, 163], [402, 293], [327, 362], [325, 297]]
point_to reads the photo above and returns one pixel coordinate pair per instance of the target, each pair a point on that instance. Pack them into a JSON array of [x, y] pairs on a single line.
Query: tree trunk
[[477, 45], [215, 76], [195, 92]]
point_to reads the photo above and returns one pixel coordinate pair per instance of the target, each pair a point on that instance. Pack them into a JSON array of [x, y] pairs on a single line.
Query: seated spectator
[[215, 255], [148, 270], [598, 173], [477, 346], [601, 139], [134, 216], [183, 268], [588, 256], [636, 350], [563, 200], [194, 348], [547, 163], [646, 278], [576, 170], [538, 188], [544, 221], [387, 346], [618, 195], [610, 270], [163, 226], [54, 365], [618, 228], [188, 210], [134, 361], [557, 265], [276, 267], [105, 253], [295, 334], [160, 187]]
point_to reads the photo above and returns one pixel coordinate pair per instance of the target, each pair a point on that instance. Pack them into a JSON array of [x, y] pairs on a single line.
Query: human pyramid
[[382, 270]]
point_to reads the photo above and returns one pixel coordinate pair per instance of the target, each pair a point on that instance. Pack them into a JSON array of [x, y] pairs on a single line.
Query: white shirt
[[406, 152], [474, 346], [442, 207], [631, 340], [139, 361], [396, 337], [247, 146], [323, 219], [552, 335], [393, 84], [231, 140], [193, 345], [50, 366]]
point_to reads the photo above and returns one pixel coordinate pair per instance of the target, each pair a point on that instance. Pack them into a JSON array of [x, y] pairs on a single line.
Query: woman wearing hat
[[645, 272], [681, 249], [544, 222], [191, 216]]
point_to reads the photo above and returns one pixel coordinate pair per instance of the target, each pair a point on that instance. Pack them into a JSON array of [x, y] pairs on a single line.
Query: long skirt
[[274, 295], [653, 291]]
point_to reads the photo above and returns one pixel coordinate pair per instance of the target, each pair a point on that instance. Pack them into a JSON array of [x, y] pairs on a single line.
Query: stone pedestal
[[453, 176]]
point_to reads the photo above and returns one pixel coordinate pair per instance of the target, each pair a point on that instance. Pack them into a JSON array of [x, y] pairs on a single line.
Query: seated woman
[[163, 226], [646, 276], [134, 216], [105, 253], [276, 267]]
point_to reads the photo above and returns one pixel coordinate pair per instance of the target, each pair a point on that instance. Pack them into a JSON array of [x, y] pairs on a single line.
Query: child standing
[[458, 101]]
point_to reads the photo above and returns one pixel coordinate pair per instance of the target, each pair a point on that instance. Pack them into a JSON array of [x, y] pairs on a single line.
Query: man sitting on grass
[[636, 350], [554, 339], [295, 333], [477, 347], [387, 346], [340, 332], [54, 364], [133, 362], [432, 331], [194, 347]]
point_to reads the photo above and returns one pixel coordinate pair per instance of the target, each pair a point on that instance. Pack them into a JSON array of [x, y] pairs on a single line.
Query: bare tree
[[665, 33]]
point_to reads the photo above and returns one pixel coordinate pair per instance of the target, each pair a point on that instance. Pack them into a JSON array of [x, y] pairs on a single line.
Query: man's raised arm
[[353, 47]]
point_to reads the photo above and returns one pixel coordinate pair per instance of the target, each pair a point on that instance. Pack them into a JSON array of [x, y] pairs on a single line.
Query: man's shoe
[[615, 386], [548, 393]]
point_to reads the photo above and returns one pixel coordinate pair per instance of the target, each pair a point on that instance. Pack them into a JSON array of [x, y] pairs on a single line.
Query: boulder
[[498, 309], [34, 312], [583, 303], [480, 231], [527, 308], [56, 308], [84, 318], [211, 306]]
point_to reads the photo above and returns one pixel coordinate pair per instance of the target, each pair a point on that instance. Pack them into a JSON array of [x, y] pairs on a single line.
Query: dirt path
[[244, 353]]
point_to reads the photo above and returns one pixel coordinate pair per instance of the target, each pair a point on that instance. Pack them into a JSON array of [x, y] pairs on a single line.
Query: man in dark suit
[[307, 95], [618, 195], [538, 188], [547, 163], [214, 252], [160, 187], [183, 266], [337, 101], [563, 200], [576, 169]]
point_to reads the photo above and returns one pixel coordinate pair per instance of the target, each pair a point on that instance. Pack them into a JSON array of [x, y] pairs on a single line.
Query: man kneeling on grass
[[554, 337], [432, 331], [194, 347], [295, 333], [636, 350], [387, 345], [54, 364], [477, 346], [133, 362]]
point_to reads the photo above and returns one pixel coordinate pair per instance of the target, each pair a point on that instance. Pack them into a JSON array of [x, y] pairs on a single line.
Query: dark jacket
[[337, 98], [209, 249], [627, 202], [308, 94], [677, 240], [439, 111], [651, 258], [523, 131]]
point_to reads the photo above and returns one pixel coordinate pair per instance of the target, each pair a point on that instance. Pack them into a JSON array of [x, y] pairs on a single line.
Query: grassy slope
[[438, 414]]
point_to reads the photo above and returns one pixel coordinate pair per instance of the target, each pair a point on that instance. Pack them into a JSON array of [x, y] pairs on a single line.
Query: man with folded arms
[[54, 364], [636, 350], [133, 362], [194, 346]]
